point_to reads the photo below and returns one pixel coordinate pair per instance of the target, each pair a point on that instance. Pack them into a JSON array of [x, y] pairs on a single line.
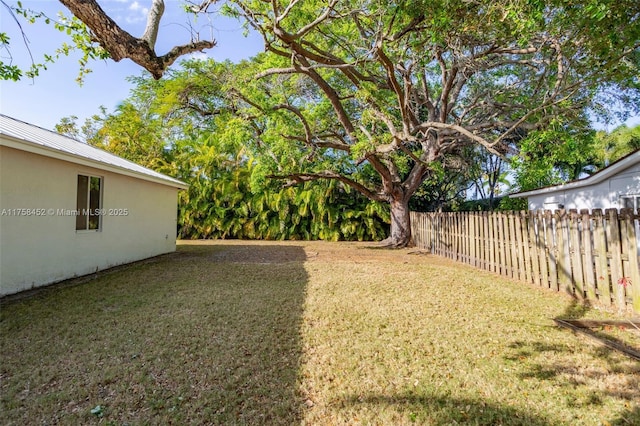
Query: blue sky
[[55, 94]]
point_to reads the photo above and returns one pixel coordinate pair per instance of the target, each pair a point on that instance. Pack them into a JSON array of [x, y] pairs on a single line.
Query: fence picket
[[552, 247], [492, 243], [534, 250], [526, 259], [616, 257], [513, 246], [587, 260], [602, 263], [634, 253], [576, 255], [594, 256]]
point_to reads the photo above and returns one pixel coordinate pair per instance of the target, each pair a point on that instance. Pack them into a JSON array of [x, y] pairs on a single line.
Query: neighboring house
[[616, 186], [69, 209]]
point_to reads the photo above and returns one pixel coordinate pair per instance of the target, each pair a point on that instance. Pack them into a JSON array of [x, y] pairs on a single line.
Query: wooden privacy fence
[[592, 256]]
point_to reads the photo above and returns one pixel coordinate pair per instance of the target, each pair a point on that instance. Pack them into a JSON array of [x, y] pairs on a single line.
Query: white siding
[[603, 195], [39, 250]]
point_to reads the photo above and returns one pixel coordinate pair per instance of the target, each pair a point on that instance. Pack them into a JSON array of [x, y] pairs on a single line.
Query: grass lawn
[[235, 332]]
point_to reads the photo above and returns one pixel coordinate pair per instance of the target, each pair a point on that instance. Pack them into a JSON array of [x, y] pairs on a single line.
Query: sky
[[55, 94]]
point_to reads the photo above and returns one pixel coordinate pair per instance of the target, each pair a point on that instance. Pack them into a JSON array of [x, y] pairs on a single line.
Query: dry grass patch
[[306, 333]]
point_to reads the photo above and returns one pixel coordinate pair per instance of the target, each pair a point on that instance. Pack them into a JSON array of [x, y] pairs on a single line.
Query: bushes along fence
[[592, 256]]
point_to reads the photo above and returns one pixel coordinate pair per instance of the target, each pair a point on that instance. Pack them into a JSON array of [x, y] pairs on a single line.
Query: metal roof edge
[[617, 166], [36, 148]]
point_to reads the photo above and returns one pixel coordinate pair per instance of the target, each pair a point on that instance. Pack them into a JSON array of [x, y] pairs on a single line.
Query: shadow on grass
[[445, 410], [209, 335], [552, 362]]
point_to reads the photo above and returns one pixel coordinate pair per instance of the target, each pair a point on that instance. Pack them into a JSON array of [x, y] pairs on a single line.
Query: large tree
[[402, 85], [410, 82]]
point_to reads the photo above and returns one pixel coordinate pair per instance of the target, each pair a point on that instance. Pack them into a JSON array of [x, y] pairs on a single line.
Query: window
[[89, 203], [630, 202]]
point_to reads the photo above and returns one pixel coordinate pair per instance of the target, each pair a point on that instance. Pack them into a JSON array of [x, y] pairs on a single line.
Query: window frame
[[88, 201], [635, 198]]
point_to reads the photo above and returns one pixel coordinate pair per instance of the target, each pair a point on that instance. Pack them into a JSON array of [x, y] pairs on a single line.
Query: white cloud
[[137, 13]]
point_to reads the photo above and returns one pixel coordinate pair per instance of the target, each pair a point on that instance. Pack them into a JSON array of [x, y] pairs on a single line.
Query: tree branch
[[120, 44], [298, 178]]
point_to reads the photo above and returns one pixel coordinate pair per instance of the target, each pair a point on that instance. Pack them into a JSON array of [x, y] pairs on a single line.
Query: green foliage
[[561, 152], [8, 71], [82, 42], [443, 190], [513, 204], [182, 127], [223, 206], [610, 147], [220, 203]]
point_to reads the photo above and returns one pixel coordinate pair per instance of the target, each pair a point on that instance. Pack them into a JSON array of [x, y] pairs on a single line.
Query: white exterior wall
[[39, 250], [602, 195]]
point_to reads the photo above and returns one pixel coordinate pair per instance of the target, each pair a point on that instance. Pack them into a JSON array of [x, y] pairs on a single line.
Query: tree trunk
[[400, 224]]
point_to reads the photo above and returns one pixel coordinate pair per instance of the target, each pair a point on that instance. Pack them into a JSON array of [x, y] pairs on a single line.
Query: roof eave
[[34, 148], [597, 177]]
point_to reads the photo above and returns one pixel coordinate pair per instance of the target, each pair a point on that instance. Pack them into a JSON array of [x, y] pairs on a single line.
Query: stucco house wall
[[616, 187], [39, 243]]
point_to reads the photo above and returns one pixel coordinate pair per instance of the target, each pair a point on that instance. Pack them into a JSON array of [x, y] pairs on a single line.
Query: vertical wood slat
[[534, 250], [513, 246], [616, 258], [484, 240], [476, 232], [576, 256], [632, 240], [588, 259], [545, 257], [464, 236], [473, 239], [526, 247], [465, 233], [522, 273], [586, 253], [451, 219], [552, 251], [505, 261], [626, 233], [600, 251], [492, 243]]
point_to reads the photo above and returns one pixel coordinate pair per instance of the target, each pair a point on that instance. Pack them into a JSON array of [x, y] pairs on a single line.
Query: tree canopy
[[405, 85], [383, 95]]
